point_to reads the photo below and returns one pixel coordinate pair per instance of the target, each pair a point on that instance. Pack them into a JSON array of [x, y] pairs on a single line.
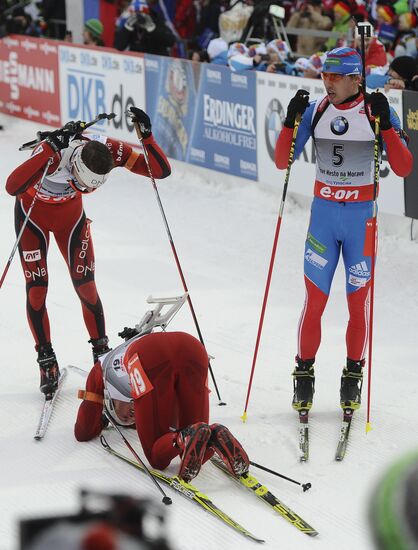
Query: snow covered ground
[[223, 230]]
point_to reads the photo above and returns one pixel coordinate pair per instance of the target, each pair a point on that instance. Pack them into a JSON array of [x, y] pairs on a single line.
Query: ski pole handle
[[71, 128]]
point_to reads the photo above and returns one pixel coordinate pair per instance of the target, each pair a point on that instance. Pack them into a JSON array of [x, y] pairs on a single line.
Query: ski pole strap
[[90, 396]]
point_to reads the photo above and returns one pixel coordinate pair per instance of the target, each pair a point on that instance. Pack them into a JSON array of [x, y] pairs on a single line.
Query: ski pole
[[270, 271], [32, 204], [70, 129], [166, 499], [305, 486], [365, 29], [372, 270], [176, 258]]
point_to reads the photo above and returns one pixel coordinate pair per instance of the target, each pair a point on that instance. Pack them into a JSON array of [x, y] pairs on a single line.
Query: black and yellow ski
[[266, 496], [185, 489]]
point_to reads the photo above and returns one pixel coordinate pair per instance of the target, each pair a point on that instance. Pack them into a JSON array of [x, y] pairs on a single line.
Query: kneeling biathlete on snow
[[157, 383]]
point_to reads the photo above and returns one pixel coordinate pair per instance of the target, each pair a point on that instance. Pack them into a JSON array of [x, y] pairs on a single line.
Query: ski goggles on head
[[83, 179]]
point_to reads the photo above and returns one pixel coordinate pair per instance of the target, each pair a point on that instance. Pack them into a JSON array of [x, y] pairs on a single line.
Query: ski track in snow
[[223, 230]]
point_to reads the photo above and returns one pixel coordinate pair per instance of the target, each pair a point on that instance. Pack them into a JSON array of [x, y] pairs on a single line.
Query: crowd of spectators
[[243, 34]]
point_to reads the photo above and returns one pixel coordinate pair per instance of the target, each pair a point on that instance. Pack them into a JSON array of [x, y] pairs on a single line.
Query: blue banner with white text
[[224, 128]]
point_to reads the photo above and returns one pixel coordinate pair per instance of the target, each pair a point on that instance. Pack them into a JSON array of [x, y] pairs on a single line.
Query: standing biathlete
[[158, 384], [342, 209], [78, 167]]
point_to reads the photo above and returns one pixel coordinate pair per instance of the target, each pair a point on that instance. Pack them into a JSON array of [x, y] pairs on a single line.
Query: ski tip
[[368, 427], [244, 417]]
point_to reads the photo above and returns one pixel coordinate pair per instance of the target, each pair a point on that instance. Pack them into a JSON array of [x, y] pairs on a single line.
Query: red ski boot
[[192, 442], [229, 450]]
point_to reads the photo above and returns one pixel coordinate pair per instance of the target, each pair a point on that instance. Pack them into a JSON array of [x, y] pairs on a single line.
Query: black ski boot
[[100, 347], [49, 369], [303, 384], [351, 384]]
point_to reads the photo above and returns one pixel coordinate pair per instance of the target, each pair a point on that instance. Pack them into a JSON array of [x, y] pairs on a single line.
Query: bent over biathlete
[[79, 166]]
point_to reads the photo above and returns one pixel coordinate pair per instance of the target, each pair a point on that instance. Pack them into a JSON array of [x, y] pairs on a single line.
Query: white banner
[[273, 95], [96, 81]]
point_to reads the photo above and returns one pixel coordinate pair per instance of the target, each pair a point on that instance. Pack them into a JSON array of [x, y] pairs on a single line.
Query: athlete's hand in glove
[[380, 107], [57, 142], [297, 106], [143, 121]]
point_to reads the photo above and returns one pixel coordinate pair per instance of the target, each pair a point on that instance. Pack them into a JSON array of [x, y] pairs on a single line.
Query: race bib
[[140, 383]]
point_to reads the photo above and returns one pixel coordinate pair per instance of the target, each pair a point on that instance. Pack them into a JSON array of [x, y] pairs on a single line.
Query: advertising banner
[[171, 89], [273, 95], [410, 125], [29, 85], [97, 81], [224, 128]]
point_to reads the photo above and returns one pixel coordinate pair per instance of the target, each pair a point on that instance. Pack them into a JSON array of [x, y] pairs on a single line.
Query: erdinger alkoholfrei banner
[[410, 124], [29, 86], [94, 81], [171, 90], [224, 127]]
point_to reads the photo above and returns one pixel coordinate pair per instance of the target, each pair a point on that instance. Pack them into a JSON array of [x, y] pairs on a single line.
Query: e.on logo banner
[[29, 86]]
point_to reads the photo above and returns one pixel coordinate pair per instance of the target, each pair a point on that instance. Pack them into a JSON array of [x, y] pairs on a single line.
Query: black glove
[[380, 107], [131, 22], [297, 106], [58, 142], [143, 120]]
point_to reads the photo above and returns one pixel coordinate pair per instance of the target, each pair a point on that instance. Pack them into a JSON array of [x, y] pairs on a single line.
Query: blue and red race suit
[[341, 213]]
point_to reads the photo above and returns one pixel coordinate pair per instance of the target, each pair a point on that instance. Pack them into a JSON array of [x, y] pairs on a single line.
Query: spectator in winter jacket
[[402, 75], [375, 53], [342, 17], [144, 31], [185, 18], [310, 17], [386, 26]]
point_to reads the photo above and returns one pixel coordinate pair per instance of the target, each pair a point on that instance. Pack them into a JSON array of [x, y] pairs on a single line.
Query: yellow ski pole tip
[[244, 417], [368, 427]]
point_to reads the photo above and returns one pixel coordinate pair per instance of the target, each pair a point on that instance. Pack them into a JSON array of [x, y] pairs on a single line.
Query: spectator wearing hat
[[386, 25], [402, 75], [92, 33], [310, 16], [342, 16], [218, 51], [407, 24], [144, 30]]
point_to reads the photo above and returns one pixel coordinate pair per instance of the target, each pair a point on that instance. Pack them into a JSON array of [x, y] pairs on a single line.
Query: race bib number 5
[[140, 382]]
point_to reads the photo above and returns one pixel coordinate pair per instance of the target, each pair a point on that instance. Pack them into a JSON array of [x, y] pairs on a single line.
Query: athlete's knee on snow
[[37, 296]]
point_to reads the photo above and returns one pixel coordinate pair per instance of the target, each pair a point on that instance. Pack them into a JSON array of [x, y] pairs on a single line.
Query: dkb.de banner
[[224, 128], [96, 81], [410, 124], [171, 91]]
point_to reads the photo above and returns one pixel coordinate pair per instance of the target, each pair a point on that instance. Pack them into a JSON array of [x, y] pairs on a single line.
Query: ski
[[261, 491], [303, 435], [186, 490], [344, 433], [48, 407]]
